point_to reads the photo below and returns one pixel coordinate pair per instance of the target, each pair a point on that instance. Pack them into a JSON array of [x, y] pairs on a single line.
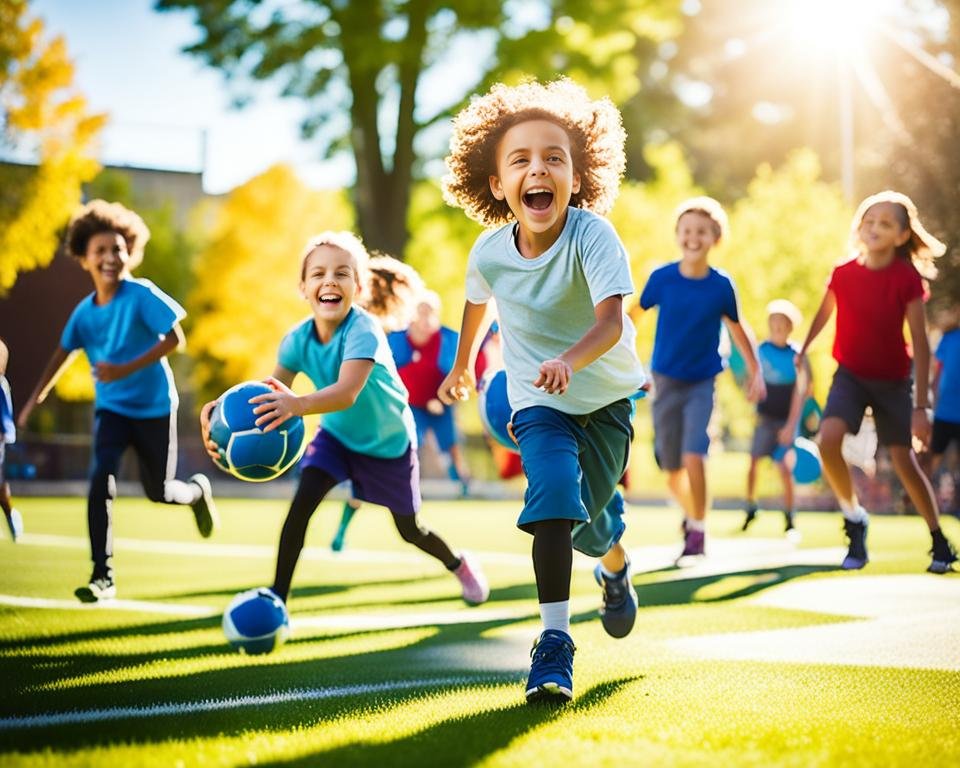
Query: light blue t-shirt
[[948, 394], [379, 423], [133, 321], [545, 305], [780, 376], [687, 341]]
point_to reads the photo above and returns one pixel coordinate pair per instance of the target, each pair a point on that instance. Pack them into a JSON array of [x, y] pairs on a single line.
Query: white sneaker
[[15, 524]]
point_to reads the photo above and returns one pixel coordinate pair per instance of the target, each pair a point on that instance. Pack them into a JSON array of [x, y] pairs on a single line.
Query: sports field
[[761, 654]]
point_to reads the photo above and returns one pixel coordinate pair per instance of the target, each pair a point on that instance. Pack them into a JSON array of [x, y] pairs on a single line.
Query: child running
[[127, 327], [946, 387], [694, 299], [873, 292], [541, 164], [367, 434], [778, 414], [8, 435]]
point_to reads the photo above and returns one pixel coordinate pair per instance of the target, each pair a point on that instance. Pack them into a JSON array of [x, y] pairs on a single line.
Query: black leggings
[[314, 485], [552, 559]]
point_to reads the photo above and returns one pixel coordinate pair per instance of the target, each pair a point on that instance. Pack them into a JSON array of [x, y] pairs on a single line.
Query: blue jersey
[[948, 394], [687, 341], [380, 422], [8, 428], [132, 322], [780, 376]]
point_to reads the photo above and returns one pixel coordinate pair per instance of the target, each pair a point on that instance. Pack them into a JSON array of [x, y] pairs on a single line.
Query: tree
[[380, 78], [43, 112]]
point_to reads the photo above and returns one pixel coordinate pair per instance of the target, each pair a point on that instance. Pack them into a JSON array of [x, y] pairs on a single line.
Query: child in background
[[8, 436], [127, 327], [367, 434], [542, 163], [778, 414], [694, 299], [873, 292], [946, 388]]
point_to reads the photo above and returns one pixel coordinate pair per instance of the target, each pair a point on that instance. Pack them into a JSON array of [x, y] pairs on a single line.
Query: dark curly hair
[[393, 289], [596, 141], [100, 216]]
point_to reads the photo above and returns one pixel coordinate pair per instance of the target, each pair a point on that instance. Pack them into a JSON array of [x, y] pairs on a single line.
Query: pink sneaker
[[474, 583]]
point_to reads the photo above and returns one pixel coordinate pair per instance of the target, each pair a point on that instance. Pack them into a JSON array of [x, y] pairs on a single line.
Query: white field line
[[136, 606], [216, 705]]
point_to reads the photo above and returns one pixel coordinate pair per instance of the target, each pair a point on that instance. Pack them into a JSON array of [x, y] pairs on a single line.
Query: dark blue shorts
[[441, 425], [891, 400], [392, 483]]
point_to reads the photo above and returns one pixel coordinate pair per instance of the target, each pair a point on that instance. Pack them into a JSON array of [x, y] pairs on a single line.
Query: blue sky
[[161, 102]]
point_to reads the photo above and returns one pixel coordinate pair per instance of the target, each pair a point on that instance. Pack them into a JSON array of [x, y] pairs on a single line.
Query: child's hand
[[106, 372], [785, 435], [920, 426], [757, 388], [554, 376], [274, 408], [434, 407], [276, 385], [457, 386], [213, 450]]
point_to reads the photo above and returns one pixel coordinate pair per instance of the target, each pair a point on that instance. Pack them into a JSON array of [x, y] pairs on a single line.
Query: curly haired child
[[540, 164], [873, 293], [127, 327]]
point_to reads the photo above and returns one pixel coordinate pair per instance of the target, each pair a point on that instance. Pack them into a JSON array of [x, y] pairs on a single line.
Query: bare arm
[[756, 388], [920, 421], [555, 374], [104, 371], [57, 364], [820, 319], [802, 388], [460, 380]]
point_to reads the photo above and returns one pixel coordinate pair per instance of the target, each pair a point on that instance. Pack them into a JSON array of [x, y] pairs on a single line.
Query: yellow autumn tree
[[43, 112], [246, 293]]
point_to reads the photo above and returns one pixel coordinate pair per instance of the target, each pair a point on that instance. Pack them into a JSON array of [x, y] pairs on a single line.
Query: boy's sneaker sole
[[95, 593], [204, 509], [549, 693], [940, 567]]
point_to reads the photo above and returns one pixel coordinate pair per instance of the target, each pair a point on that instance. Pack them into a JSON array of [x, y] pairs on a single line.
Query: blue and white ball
[[495, 410], [802, 458], [256, 621], [246, 451]]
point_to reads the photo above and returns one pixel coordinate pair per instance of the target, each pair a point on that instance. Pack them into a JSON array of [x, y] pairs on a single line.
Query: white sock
[[855, 514], [696, 525], [556, 616], [180, 492]]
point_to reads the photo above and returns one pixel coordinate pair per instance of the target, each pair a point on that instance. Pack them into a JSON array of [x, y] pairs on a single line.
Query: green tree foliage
[[246, 294], [43, 112], [376, 77]]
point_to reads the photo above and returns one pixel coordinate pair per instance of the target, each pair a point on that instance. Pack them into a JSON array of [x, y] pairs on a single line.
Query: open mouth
[[538, 199], [330, 299]]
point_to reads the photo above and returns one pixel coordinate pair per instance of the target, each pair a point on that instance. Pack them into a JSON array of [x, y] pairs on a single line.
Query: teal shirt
[[380, 422]]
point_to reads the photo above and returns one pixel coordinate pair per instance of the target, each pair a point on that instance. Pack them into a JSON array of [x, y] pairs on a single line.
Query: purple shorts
[[392, 483]]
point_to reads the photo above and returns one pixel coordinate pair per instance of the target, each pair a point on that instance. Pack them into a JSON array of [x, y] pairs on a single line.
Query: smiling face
[[696, 235], [882, 230], [330, 282], [780, 328], [535, 177], [106, 260]]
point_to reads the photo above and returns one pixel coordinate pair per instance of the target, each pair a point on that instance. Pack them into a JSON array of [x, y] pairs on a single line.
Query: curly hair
[[596, 141], [99, 216], [393, 290]]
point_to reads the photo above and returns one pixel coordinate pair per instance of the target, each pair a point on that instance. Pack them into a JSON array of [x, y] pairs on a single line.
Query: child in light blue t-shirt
[[8, 435], [558, 273], [127, 327], [367, 434]]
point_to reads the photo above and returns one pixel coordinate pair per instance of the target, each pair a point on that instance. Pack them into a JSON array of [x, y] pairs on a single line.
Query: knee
[[103, 481], [410, 529], [831, 437]]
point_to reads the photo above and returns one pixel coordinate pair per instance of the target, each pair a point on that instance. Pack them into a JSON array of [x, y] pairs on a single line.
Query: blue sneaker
[[619, 601], [857, 553], [551, 671]]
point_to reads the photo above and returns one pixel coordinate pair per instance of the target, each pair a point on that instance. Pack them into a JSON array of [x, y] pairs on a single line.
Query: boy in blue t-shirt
[[542, 163], [8, 435], [778, 414], [946, 388], [367, 434], [127, 327], [694, 299]]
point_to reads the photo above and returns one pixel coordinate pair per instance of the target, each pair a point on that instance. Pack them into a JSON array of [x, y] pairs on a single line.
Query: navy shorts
[[440, 424], [765, 436], [891, 401], [681, 415], [392, 483], [573, 464], [944, 433]]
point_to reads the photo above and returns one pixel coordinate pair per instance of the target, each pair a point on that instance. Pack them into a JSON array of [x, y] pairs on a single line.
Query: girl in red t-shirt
[[873, 293]]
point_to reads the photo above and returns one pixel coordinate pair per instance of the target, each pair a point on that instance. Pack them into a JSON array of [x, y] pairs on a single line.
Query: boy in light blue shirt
[[542, 163], [127, 327]]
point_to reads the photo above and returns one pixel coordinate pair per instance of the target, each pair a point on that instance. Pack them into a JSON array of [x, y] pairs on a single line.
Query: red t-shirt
[[422, 376], [871, 307]]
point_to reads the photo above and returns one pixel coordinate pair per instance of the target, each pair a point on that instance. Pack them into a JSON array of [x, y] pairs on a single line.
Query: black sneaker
[[204, 510], [751, 516], [790, 529], [100, 588], [857, 553], [944, 556], [619, 610]]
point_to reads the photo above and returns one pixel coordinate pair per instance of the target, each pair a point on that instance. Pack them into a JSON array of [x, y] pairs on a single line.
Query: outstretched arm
[[820, 319], [104, 371], [460, 380], [920, 422], [57, 364]]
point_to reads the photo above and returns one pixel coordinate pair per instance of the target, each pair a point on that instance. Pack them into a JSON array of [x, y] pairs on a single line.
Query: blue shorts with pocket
[[573, 464], [681, 415]]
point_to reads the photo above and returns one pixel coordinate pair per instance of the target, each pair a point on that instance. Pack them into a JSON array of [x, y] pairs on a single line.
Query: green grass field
[[762, 654]]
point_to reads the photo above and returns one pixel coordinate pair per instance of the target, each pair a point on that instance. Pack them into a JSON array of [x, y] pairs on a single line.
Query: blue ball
[[256, 621], [246, 451], [804, 460], [495, 410]]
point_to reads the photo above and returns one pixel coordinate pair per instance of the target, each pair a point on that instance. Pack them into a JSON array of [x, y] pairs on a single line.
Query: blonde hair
[[786, 308], [921, 249], [709, 208], [392, 292], [345, 241], [596, 137]]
